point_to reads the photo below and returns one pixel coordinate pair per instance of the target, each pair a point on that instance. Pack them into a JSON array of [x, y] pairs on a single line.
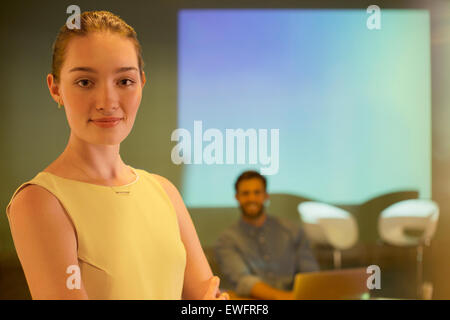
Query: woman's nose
[[107, 99]]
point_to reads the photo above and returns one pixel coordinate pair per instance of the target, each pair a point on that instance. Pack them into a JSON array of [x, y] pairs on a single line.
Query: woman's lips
[[107, 123]]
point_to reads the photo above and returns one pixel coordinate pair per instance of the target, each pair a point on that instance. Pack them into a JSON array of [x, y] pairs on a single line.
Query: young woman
[[126, 231]]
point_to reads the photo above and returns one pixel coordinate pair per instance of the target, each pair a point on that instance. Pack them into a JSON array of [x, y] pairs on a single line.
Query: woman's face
[[99, 79]]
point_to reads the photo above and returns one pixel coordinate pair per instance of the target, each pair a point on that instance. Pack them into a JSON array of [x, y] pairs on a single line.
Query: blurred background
[[362, 116]]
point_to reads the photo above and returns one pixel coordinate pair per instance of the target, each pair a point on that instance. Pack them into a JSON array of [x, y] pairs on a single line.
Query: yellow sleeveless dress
[[129, 243]]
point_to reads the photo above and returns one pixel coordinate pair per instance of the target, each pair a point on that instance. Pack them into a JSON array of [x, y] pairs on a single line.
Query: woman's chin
[[107, 140]]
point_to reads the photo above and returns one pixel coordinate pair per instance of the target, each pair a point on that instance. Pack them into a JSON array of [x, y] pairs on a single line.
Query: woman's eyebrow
[[88, 69], [124, 69]]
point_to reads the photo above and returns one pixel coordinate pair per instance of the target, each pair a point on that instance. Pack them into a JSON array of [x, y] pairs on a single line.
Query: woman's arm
[[199, 282], [46, 243]]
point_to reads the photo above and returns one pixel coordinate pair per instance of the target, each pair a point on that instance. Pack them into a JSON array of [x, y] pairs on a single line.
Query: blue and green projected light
[[352, 105]]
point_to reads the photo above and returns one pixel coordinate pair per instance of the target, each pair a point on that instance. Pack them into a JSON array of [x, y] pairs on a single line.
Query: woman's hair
[[92, 21]]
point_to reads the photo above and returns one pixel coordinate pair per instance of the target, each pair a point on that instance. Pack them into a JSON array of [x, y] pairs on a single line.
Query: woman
[[126, 231]]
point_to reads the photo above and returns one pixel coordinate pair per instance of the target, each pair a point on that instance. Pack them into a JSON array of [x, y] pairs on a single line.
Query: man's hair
[[250, 175]]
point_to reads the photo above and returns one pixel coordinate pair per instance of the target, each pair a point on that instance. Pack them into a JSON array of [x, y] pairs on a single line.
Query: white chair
[[414, 214], [327, 224]]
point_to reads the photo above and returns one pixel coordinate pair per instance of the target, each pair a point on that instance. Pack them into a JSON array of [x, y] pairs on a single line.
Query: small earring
[[59, 105]]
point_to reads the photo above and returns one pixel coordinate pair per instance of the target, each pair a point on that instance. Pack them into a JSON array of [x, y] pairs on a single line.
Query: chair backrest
[[327, 224], [369, 212], [331, 285], [417, 214]]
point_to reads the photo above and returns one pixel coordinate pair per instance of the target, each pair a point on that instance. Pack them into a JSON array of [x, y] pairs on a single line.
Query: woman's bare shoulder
[[163, 181], [173, 194], [33, 195], [36, 204], [170, 189], [44, 236]]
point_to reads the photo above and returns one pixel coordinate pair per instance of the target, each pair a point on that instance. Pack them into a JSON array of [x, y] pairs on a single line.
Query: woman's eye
[[126, 82], [84, 83]]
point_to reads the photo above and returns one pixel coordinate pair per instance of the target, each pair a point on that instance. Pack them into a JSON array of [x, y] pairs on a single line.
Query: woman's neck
[[100, 164]]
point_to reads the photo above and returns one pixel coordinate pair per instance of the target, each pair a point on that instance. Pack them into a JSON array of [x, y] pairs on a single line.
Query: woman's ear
[[53, 88], [143, 78]]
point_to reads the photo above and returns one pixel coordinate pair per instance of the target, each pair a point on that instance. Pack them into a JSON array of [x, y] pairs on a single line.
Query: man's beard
[[254, 215]]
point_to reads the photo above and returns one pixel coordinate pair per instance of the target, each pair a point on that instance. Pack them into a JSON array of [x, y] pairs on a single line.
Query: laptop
[[342, 284]]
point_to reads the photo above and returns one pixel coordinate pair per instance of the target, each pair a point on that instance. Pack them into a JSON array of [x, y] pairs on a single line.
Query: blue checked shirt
[[273, 253]]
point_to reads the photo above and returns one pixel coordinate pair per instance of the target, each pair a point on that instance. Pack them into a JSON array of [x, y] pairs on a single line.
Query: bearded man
[[261, 254]]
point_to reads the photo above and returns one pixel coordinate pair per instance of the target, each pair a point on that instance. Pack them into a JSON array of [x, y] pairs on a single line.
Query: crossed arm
[[246, 283]]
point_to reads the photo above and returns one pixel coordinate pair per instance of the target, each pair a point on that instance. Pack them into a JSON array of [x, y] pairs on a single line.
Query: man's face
[[251, 196]]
